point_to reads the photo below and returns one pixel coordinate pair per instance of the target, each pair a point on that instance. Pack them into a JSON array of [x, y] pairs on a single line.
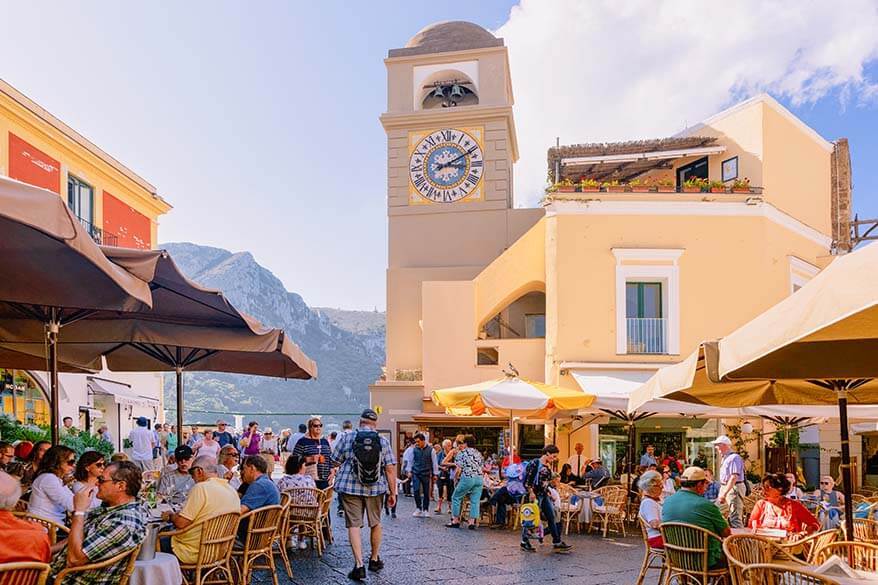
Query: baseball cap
[[693, 474], [722, 440], [369, 414], [141, 421], [183, 452]]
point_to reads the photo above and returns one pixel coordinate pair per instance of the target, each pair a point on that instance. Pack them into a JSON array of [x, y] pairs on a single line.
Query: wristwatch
[[78, 513]]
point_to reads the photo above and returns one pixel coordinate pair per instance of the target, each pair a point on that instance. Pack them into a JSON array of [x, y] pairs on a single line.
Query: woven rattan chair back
[[687, 550], [217, 538], [807, 547], [128, 557], [650, 555], [862, 556], [262, 527], [768, 574], [24, 573], [52, 528], [745, 549], [866, 530], [304, 505]]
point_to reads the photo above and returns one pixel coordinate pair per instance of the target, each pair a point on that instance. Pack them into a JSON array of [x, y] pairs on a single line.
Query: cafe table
[[836, 575], [586, 508], [162, 569]]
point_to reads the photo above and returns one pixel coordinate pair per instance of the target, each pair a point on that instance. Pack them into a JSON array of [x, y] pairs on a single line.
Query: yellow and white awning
[[510, 396]]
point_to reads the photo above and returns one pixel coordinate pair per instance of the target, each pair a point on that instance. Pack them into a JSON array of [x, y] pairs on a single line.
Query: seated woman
[[50, 498], [567, 475], [831, 502], [651, 485], [775, 510]]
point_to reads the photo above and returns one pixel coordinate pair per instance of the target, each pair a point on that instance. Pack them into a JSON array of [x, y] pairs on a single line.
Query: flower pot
[[665, 190], [591, 189], [740, 190], [615, 188], [640, 189], [566, 189], [717, 189], [691, 189]]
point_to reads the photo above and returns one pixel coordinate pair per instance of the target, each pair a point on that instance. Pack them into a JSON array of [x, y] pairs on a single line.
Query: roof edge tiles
[[447, 37]]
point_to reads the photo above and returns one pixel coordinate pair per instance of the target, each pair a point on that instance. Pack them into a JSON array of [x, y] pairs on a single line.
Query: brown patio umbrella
[[817, 346], [189, 328], [54, 274]]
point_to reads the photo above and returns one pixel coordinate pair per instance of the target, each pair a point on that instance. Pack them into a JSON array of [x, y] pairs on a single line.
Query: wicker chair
[[650, 555], [262, 527], [52, 528], [862, 556], [128, 558], [613, 510], [214, 549], [24, 573], [866, 530], [767, 574], [686, 551], [303, 516], [282, 534], [858, 499], [749, 504], [746, 549], [569, 511], [326, 516], [809, 545]]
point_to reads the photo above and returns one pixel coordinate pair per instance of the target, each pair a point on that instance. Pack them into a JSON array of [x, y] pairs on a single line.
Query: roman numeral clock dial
[[445, 166]]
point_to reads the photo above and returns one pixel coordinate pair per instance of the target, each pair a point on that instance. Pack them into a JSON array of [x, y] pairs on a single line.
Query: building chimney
[[841, 197]]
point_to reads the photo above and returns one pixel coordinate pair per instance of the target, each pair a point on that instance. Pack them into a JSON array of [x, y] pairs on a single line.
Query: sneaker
[[376, 565], [357, 574], [561, 547], [393, 514], [416, 513], [528, 547], [341, 513], [437, 511]]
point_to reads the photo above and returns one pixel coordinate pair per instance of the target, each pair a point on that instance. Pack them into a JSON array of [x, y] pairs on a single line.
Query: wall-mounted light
[[747, 427]]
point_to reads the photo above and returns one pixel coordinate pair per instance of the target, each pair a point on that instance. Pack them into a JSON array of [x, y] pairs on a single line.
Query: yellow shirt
[[207, 499]]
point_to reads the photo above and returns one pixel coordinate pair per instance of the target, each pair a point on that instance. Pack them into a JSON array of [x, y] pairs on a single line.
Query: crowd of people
[[694, 497]]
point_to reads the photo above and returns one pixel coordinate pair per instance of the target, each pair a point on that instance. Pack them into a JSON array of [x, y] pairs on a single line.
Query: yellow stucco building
[[118, 208], [595, 286]]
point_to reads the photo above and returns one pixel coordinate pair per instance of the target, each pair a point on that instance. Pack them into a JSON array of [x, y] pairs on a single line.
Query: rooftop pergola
[[623, 161]]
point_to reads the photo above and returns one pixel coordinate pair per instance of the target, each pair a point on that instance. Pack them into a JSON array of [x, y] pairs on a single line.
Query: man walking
[[407, 456], [537, 476], [294, 438], [222, 434], [731, 479], [346, 428], [424, 469], [142, 444], [368, 471]]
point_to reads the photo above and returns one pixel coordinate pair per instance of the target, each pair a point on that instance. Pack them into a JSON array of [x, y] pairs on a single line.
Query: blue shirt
[[261, 493], [346, 480], [646, 460], [732, 463], [712, 491]]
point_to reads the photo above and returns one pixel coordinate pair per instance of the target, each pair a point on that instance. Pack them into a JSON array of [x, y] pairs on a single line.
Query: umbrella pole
[[847, 476], [52, 333], [632, 434], [179, 372]]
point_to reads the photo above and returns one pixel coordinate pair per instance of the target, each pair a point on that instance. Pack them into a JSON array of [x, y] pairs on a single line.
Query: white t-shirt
[[142, 441], [669, 488], [651, 510], [211, 449], [578, 460]]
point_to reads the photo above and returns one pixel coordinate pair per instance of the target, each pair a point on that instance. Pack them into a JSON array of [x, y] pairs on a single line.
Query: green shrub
[[11, 430]]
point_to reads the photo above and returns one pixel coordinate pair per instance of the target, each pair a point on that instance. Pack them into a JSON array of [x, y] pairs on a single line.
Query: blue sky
[[259, 122]]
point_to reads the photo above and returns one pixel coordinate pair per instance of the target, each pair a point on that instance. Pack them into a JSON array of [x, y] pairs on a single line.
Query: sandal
[[453, 525]]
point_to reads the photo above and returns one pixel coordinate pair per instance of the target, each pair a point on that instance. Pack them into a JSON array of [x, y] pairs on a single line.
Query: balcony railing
[[647, 335], [98, 235]]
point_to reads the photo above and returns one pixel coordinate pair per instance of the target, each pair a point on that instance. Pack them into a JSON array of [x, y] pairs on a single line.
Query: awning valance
[[121, 393]]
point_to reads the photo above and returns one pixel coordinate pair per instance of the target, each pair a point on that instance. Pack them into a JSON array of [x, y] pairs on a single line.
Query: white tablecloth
[[162, 570], [585, 511]]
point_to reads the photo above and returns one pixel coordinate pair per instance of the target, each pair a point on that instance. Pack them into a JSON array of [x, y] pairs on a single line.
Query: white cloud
[[600, 70]]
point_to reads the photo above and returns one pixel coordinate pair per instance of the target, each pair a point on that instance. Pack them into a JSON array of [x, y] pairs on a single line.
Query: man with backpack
[[367, 472], [537, 476]]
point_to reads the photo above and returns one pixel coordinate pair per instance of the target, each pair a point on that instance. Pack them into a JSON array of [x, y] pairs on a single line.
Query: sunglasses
[[99, 464], [317, 425], [824, 483], [192, 470], [101, 480], [71, 461]]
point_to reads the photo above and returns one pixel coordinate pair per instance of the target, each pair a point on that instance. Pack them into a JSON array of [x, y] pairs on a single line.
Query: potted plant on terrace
[[563, 186], [589, 186], [741, 185], [665, 185], [694, 185], [716, 187], [639, 186], [613, 186]]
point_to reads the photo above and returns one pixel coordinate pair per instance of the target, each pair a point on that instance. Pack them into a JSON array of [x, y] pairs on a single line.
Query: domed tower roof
[[444, 37]]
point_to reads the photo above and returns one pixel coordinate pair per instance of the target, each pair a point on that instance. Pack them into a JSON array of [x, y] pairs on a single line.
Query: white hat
[[722, 440]]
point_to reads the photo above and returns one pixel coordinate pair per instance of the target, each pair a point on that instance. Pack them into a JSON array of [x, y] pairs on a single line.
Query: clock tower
[[451, 145]]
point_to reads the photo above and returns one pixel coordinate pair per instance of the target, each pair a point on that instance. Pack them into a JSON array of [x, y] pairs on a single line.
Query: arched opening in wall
[[23, 397], [524, 318], [448, 88]]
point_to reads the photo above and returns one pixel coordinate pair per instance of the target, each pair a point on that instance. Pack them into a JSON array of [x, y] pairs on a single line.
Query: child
[[555, 495], [388, 511], [529, 516]]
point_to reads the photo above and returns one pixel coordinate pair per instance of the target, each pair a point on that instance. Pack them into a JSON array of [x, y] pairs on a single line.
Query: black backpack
[[367, 456]]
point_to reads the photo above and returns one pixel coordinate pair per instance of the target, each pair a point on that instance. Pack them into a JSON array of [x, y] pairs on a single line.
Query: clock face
[[446, 165]]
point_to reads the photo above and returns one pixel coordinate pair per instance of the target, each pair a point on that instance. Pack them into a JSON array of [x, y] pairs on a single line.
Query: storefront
[[23, 397]]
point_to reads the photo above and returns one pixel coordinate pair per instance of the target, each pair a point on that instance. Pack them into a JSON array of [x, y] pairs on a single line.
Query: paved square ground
[[422, 550]]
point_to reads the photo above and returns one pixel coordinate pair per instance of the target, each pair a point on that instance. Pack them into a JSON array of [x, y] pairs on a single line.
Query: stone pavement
[[422, 550]]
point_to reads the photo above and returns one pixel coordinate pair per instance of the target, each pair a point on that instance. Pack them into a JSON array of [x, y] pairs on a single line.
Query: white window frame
[[800, 272], [627, 270]]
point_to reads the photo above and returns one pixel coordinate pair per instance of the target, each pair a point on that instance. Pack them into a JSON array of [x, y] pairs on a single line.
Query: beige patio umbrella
[[189, 328], [54, 274], [817, 346]]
